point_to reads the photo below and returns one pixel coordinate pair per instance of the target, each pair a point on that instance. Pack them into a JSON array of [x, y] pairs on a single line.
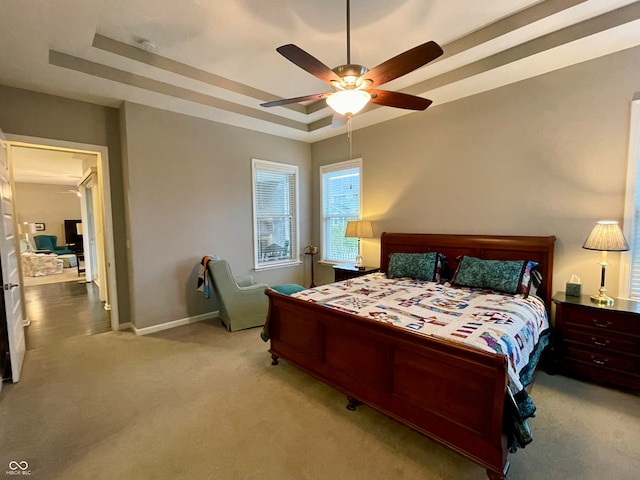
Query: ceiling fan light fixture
[[350, 81], [348, 102]]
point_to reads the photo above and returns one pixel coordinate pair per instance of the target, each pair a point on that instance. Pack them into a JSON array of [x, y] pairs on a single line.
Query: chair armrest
[[253, 288], [244, 281]]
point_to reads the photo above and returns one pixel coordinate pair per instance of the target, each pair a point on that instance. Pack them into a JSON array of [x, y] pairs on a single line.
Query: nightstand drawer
[[604, 320], [601, 340], [603, 359], [601, 343], [628, 380]]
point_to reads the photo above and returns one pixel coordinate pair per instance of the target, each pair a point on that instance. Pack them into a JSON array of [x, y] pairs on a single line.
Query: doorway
[[96, 214]]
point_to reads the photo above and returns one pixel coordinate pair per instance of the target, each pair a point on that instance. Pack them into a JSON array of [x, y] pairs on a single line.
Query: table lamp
[[26, 229], [606, 236], [359, 229]]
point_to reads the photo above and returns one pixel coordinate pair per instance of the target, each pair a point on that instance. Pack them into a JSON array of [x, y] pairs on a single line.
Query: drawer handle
[[601, 344], [599, 362], [601, 325]]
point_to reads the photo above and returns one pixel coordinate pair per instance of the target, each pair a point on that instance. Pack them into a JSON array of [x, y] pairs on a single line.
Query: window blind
[[340, 199], [275, 195], [634, 280]]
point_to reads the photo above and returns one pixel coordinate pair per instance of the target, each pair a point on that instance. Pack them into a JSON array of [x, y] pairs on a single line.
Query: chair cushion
[[288, 288], [49, 242], [45, 242]]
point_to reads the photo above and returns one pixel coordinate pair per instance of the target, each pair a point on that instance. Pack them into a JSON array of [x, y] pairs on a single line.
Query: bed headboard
[[489, 247]]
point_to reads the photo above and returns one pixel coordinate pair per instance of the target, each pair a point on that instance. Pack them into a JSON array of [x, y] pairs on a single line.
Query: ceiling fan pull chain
[[350, 136]]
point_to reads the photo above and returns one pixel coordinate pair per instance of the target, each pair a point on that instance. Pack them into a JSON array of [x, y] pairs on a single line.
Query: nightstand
[[345, 272], [601, 343]]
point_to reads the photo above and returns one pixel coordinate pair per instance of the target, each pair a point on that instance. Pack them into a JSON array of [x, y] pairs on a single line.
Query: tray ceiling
[[217, 60]]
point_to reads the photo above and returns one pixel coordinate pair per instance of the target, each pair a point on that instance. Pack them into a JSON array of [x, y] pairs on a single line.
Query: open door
[[93, 239], [10, 274]]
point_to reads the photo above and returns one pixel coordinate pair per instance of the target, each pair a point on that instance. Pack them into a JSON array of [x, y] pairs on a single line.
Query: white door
[[90, 252], [94, 240], [10, 274]]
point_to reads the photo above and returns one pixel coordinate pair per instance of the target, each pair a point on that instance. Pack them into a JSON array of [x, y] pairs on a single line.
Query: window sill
[[276, 265], [332, 263]]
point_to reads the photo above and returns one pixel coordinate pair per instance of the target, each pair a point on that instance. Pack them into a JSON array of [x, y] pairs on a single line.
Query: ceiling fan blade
[[307, 62], [338, 120], [286, 101], [404, 63], [398, 100]]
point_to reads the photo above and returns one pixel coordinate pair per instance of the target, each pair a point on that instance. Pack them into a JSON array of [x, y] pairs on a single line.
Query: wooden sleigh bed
[[448, 391]]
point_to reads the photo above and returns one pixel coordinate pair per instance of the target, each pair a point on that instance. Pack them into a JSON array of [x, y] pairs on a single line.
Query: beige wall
[[48, 204], [545, 156], [189, 193], [23, 112]]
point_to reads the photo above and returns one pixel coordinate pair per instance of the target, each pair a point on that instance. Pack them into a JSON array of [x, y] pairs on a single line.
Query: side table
[[598, 342], [345, 271], [81, 265]]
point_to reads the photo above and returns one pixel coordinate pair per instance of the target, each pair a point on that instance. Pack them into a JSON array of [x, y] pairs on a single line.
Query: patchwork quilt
[[495, 322]]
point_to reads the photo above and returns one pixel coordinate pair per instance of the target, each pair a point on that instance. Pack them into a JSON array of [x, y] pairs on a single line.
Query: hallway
[[59, 311]]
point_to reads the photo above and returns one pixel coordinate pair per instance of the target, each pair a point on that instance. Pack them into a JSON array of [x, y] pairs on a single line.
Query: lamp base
[[602, 299]]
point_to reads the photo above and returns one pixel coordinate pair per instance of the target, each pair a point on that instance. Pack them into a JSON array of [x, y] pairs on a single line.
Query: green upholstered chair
[[243, 303], [49, 242]]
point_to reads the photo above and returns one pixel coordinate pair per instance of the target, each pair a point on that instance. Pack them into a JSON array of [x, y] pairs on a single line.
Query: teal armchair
[[243, 303], [49, 242]]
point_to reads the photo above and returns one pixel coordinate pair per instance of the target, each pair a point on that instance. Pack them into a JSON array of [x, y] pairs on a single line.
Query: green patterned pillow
[[421, 266], [498, 275]]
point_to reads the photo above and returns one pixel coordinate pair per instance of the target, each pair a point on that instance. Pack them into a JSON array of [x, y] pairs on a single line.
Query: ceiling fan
[[356, 85]]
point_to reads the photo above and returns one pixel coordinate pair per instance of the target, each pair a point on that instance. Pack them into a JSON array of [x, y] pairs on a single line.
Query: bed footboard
[[451, 393]]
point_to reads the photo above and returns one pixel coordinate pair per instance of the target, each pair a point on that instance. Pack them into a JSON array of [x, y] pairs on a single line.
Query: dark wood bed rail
[[450, 392]]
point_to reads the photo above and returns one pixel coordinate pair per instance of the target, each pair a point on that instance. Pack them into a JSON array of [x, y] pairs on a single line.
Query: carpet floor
[[197, 402]]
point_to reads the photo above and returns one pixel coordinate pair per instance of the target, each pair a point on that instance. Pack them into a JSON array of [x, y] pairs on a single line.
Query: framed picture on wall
[[39, 227]]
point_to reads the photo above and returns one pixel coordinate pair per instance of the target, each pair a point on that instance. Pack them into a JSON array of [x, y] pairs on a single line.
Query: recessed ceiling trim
[[322, 123], [552, 40], [509, 24], [133, 53], [88, 67], [566, 35], [503, 26]]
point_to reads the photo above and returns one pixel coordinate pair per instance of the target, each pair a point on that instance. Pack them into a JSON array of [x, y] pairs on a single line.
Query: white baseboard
[[168, 325]]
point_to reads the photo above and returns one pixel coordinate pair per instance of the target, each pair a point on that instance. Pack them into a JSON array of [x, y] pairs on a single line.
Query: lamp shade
[[348, 101], [359, 229], [606, 236], [79, 228], [27, 228]]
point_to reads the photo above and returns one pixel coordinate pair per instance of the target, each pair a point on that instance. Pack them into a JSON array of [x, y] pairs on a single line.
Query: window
[[340, 203], [630, 268], [275, 214]]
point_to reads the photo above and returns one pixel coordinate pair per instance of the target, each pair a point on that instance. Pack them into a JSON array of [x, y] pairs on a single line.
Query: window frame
[[330, 168], [631, 226], [258, 165]]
